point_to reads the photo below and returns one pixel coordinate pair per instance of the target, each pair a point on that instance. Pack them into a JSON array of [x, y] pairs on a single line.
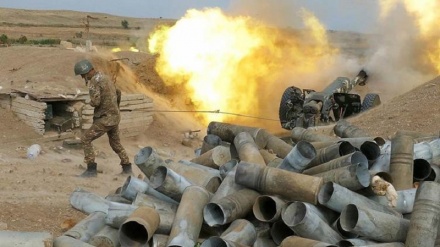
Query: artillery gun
[[308, 108]]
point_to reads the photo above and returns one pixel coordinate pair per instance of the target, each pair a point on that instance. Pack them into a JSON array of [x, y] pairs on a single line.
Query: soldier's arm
[[95, 95]]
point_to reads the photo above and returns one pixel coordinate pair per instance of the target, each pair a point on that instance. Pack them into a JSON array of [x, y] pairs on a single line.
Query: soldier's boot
[[90, 172], [126, 169]]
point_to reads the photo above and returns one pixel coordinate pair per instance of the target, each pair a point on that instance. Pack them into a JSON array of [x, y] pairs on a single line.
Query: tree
[[124, 24], [3, 39], [22, 39]]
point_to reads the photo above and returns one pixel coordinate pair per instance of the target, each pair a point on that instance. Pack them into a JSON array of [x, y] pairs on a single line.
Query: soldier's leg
[[95, 131], [115, 143]]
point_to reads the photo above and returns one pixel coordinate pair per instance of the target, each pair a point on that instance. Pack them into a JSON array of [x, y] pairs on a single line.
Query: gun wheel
[[284, 108], [371, 100]]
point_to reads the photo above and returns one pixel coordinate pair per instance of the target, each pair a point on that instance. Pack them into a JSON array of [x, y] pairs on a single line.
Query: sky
[[346, 15]]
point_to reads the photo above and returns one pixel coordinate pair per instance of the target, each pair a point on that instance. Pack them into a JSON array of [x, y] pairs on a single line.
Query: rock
[[66, 45], [72, 143]]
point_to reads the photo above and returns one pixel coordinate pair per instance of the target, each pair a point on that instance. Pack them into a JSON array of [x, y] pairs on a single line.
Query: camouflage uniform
[[106, 117]]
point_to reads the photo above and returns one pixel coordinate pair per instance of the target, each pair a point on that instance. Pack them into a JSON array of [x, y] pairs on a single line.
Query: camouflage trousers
[[96, 131]]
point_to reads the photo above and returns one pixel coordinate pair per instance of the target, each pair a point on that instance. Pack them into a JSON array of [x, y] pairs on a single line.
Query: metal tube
[[240, 232], [435, 149], [189, 218], [87, 227], [227, 167], [401, 162], [227, 132], [106, 237], [191, 167], [435, 174], [220, 242], [271, 142], [358, 141], [270, 180], [262, 228], [405, 200], [214, 158], [139, 227], [393, 244], [371, 150], [336, 197], [373, 224], [382, 163], [132, 186], [422, 150], [437, 241], [299, 133], [117, 198], [355, 242], [88, 202], [159, 240], [327, 215], [202, 176], [353, 177], [299, 157], [425, 217], [270, 159], [346, 160], [303, 221], [167, 211], [169, 182], [264, 242], [263, 139], [210, 141], [422, 169], [344, 234], [279, 231], [247, 149], [345, 129], [303, 242], [268, 208], [147, 160], [65, 241], [31, 239], [319, 145], [153, 202], [228, 186], [331, 152], [229, 208], [118, 213]]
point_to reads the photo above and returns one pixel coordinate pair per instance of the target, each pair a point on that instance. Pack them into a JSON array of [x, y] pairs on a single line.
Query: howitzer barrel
[[345, 85]]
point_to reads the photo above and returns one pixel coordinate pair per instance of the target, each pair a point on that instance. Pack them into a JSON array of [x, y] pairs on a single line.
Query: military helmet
[[83, 67]]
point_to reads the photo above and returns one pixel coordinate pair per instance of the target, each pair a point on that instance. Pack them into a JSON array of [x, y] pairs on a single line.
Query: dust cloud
[[279, 55], [396, 59], [393, 55]]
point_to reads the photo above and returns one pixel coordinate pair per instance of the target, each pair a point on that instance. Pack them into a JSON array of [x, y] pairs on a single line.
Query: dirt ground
[[34, 194]]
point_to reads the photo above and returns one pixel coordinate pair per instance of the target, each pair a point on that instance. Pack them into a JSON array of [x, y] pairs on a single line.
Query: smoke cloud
[[388, 48]]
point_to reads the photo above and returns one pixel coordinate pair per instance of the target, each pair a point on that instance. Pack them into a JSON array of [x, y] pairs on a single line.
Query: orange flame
[[236, 64]]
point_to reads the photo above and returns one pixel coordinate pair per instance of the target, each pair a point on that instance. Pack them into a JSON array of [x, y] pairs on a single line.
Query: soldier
[[105, 98]]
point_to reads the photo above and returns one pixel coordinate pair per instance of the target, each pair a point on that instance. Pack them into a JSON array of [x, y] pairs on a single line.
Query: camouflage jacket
[[104, 97]]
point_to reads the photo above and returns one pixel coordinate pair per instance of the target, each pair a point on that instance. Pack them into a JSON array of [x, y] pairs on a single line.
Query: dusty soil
[[34, 194]]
